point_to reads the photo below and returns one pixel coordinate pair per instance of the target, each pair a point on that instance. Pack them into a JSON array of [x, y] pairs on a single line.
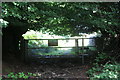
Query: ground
[[63, 68]]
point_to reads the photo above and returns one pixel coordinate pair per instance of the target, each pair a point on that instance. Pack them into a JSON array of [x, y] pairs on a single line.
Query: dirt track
[[46, 69]]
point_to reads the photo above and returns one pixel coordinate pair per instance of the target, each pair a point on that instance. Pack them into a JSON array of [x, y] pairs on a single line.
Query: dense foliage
[[64, 17], [104, 68]]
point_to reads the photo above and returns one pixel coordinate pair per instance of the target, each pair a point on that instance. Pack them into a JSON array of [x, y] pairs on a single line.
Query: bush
[[107, 70]]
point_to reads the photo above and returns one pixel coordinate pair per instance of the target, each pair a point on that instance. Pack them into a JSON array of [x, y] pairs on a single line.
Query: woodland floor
[[63, 68]]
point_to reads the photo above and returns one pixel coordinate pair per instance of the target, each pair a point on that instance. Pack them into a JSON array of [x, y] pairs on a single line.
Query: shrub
[[107, 70]]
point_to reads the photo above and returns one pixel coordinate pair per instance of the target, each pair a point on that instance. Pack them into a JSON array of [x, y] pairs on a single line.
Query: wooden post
[[22, 49], [77, 46], [82, 50], [82, 45], [26, 50]]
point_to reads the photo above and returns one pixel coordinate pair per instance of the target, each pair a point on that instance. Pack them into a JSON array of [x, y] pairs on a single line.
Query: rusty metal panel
[[53, 42]]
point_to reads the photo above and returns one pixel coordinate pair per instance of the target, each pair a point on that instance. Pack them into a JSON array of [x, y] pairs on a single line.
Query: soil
[[61, 68]]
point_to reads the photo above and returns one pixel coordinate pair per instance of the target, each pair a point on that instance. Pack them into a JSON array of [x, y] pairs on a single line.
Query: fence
[[77, 44]]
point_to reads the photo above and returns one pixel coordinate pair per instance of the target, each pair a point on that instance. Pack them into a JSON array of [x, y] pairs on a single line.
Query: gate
[[76, 47]]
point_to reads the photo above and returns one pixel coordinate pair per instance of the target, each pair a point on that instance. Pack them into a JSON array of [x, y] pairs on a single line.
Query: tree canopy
[[64, 17]]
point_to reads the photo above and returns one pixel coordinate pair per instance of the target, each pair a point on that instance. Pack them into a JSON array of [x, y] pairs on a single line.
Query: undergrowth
[[20, 75], [104, 68]]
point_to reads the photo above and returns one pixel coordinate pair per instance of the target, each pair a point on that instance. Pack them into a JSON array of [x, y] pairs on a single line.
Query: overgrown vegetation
[[20, 75], [64, 18], [104, 68], [61, 18]]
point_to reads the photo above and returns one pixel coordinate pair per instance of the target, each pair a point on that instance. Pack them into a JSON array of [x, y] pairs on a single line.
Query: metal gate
[[78, 45]]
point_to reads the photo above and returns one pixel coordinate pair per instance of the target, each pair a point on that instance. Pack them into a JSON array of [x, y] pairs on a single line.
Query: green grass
[[56, 53]]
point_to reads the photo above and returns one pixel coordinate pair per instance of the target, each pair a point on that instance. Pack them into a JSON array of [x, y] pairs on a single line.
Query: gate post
[[82, 45], [22, 47], [26, 50], [82, 50], [77, 46]]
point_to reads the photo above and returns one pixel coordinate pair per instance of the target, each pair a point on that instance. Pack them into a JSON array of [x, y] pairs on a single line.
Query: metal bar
[[60, 39], [57, 56], [87, 47], [63, 47], [60, 56]]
